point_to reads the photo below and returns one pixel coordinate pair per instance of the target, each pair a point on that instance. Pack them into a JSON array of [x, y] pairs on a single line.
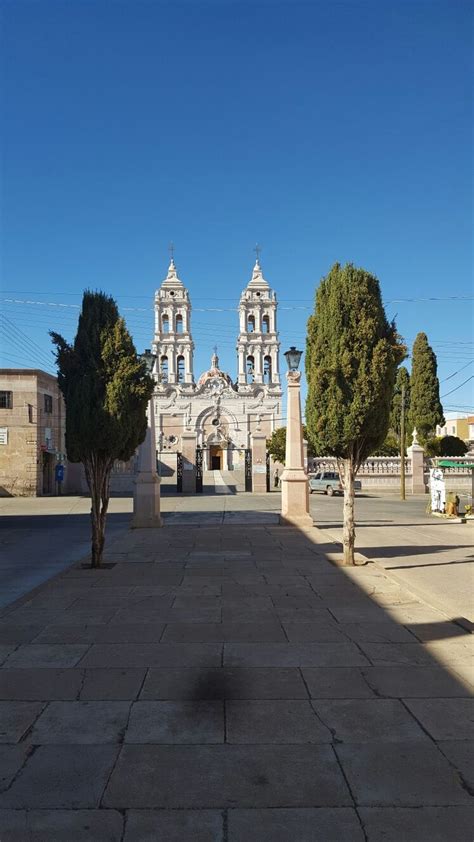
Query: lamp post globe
[[293, 358], [149, 359]]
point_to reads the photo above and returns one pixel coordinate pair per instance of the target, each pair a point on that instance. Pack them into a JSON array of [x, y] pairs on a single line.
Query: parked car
[[329, 483]]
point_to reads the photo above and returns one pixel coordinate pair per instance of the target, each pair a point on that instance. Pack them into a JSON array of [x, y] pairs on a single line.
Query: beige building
[[455, 427], [217, 414], [32, 432]]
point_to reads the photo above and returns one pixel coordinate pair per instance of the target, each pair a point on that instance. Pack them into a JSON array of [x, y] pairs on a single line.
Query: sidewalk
[[229, 684]]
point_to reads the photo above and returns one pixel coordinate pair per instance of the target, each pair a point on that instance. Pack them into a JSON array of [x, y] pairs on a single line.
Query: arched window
[[180, 368], [267, 370], [266, 324], [165, 323], [164, 369], [179, 323], [250, 369], [250, 324]]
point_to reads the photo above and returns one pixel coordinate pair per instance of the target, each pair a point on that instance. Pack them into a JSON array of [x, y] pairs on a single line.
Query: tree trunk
[[348, 531], [98, 478]]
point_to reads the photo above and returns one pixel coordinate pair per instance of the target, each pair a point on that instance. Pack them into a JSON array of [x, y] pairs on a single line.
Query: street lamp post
[[146, 495], [294, 482]]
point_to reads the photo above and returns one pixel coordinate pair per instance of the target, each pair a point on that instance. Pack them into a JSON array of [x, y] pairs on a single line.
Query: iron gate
[[179, 472], [248, 470], [199, 455]]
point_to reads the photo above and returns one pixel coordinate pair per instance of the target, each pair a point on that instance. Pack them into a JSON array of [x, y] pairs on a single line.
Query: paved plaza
[[224, 680]]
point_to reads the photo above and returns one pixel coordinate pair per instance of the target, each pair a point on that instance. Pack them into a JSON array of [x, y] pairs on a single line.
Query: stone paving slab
[[194, 722], [445, 719], [293, 655], [407, 681], [225, 631], [114, 684], [410, 774], [30, 655], [36, 684], [274, 721], [368, 720], [92, 723], [12, 758], [18, 634], [423, 824], [174, 826], [337, 683], [126, 633], [60, 826], [70, 777], [16, 718], [460, 754], [152, 655], [301, 825], [224, 683], [221, 776]]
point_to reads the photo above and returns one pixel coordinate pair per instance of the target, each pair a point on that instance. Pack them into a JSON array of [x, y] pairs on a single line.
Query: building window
[[180, 368], [30, 413], [165, 323], [6, 400], [48, 404], [164, 369], [250, 369], [250, 324], [267, 370], [179, 323], [266, 324]]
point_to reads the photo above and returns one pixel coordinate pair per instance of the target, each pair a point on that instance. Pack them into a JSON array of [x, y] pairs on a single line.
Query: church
[[214, 415]]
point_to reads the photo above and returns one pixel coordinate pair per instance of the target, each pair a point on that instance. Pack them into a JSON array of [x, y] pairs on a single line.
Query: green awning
[[450, 463]]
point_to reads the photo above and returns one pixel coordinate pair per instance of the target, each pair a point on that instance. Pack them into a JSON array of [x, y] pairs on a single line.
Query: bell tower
[[173, 344], [258, 345]]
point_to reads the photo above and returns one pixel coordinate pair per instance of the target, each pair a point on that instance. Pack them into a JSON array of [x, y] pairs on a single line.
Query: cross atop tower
[[171, 251], [258, 251]]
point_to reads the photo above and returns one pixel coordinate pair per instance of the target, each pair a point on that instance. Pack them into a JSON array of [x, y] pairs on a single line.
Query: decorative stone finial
[[415, 437], [215, 358], [172, 269]]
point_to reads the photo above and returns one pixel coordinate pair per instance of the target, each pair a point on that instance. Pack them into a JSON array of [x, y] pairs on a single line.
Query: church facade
[[215, 412]]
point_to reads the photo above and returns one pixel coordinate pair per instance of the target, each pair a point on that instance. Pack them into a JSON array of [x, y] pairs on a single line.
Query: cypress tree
[[425, 405], [106, 391], [352, 354]]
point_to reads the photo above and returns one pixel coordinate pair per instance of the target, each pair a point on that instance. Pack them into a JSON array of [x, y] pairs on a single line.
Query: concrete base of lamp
[[146, 502], [295, 499], [146, 494]]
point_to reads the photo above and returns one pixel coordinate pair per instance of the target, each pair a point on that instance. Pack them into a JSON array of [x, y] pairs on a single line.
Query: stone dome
[[214, 373]]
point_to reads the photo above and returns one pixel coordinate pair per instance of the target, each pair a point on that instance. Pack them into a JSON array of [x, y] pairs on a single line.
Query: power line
[[457, 372], [458, 387]]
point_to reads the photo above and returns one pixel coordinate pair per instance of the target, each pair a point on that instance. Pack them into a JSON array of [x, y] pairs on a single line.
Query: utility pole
[[402, 444]]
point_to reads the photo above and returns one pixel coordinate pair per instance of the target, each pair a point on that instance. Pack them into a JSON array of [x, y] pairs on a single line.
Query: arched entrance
[[216, 457]]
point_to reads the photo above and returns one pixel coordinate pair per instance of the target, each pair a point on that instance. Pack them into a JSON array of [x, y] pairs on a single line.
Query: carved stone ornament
[[415, 437], [293, 376]]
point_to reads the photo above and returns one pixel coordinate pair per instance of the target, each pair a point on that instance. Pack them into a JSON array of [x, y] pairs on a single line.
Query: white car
[[328, 482]]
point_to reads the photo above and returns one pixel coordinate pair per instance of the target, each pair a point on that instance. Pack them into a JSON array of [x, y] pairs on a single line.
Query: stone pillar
[[242, 372], [417, 456], [188, 450], [294, 482], [259, 463], [258, 373], [146, 495]]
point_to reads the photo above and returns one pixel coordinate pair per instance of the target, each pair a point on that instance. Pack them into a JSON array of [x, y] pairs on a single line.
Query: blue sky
[[324, 131]]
